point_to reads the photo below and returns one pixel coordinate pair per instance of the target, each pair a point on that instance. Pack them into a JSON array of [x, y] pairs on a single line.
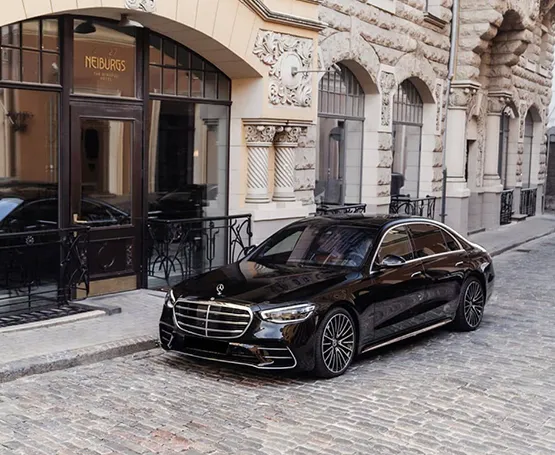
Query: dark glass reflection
[[341, 246], [28, 161], [187, 176]]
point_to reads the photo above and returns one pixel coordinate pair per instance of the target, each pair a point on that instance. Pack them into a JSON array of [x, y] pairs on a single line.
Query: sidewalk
[[59, 344]]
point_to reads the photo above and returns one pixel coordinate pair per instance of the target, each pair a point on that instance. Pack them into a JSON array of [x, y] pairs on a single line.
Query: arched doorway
[[527, 150], [340, 133], [408, 114], [114, 128]]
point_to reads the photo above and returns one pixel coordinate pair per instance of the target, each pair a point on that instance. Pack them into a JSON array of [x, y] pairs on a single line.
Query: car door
[[396, 290], [444, 265]]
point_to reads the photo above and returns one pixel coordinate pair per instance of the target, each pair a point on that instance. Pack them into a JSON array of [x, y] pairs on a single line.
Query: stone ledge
[[68, 359], [434, 20]]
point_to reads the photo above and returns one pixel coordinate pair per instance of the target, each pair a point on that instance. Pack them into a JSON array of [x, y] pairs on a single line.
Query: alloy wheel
[[474, 304], [338, 343]]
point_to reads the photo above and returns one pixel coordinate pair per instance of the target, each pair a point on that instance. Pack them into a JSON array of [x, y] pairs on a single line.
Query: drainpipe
[[451, 74]]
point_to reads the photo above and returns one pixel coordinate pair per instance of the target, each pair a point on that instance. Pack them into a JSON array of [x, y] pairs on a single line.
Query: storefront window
[[28, 160], [188, 148], [30, 52], [176, 71], [104, 60], [341, 120]]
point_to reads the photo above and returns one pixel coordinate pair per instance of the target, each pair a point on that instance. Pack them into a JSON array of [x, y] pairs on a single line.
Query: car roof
[[372, 221]]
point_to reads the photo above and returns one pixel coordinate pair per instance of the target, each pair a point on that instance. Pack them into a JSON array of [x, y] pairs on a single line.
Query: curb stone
[[514, 245], [69, 359]]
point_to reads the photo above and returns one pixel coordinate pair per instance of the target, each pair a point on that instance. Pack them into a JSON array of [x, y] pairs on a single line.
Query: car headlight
[[294, 313], [170, 299]]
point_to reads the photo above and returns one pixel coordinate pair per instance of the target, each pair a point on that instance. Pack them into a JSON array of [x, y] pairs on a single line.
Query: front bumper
[[264, 345]]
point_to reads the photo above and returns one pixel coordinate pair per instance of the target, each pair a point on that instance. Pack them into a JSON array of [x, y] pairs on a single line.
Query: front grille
[[212, 319]]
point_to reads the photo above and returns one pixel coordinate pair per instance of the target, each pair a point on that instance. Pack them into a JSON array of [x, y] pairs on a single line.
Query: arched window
[[504, 132], [339, 157], [528, 146], [408, 113]]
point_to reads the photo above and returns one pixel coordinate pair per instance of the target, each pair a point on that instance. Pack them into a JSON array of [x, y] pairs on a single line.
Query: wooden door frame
[[120, 111]]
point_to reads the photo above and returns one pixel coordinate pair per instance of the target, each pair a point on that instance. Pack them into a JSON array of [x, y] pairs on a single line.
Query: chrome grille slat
[[211, 319]]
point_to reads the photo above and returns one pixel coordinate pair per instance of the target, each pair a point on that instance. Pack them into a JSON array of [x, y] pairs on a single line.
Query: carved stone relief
[[148, 6], [522, 110], [438, 95], [387, 84], [282, 53], [260, 134]]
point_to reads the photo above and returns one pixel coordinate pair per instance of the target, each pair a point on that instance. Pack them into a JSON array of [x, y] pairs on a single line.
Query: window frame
[[408, 223], [409, 240]]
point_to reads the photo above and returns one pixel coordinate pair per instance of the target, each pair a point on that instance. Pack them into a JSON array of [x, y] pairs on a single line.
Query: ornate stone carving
[[282, 53], [288, 135], [522, 110], [260, 134], [463, 94], [149, 6], [387, 84], [439, 101], [498, 101]]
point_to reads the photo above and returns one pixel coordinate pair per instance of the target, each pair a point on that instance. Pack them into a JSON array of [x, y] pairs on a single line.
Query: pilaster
[[259, 138]]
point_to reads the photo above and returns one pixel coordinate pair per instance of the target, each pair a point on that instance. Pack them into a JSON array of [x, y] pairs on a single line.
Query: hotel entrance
[[114, 150], [105, 189]]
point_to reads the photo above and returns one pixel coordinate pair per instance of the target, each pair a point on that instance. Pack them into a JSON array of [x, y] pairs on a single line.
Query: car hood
[[250, 282]]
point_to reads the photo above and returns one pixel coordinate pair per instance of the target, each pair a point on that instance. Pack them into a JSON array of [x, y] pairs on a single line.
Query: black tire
[[470, 311], [335, 344]]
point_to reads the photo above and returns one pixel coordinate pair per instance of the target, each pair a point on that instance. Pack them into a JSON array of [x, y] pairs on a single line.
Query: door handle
[[458, 264], [415, 274], [76, 219]]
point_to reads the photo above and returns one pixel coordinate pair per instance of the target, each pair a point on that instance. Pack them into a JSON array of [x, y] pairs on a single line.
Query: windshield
[[7, 205], [335, 245]]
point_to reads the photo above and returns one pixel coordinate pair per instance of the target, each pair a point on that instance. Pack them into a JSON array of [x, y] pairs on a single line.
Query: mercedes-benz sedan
[[325, 289]]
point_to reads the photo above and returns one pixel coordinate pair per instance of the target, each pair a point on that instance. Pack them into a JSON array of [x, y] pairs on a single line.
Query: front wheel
[[335, 344], [471, 306]]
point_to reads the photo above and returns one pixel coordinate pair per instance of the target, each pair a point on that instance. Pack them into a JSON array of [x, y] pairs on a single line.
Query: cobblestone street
[[488, 392]]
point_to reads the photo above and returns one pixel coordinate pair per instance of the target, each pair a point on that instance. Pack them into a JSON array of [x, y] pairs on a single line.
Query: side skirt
[[408, 335]]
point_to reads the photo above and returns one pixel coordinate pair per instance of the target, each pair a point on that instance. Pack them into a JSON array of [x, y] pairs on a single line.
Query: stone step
[[518, 217]]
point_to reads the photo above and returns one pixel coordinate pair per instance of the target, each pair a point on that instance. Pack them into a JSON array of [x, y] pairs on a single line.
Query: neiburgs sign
[[105, 63]]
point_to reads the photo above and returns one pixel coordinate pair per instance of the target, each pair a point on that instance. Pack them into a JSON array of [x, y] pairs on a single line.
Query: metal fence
[[528, 197], [42, 268], [179, 249], [403, 204], [506, 206], [330, 209]]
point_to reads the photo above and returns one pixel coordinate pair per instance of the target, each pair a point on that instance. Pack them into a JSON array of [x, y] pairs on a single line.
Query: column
[[497, 102], [286, 142], [259, 139]]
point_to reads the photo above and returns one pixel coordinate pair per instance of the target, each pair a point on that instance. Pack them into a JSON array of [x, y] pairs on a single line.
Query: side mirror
[[392, 261]]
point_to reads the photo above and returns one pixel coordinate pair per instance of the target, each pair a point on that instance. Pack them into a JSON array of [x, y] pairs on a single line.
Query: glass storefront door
[[106, 144]]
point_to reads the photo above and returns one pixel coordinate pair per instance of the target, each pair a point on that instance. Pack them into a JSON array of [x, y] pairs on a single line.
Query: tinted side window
[[396, 242], [428, 240], [450, 241]]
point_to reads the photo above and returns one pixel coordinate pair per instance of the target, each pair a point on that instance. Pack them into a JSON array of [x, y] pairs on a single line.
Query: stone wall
[[383, 44]]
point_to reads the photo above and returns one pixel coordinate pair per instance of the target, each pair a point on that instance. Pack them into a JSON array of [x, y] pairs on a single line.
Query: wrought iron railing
[[180, 249], [403, 204], [528, 197], [42, 268], [506, 206], [330, 209]]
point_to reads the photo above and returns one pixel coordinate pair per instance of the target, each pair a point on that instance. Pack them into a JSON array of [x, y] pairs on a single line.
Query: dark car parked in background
[[324, 289]]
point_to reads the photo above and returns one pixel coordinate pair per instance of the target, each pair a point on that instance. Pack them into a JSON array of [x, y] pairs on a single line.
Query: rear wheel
[[471, 306], [335, 344]]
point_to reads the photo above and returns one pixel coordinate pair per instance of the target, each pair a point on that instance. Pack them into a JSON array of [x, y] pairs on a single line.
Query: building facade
[[177, 132]]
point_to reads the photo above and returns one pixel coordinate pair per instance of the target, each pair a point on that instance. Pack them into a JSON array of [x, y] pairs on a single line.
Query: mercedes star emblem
[[220, 289]]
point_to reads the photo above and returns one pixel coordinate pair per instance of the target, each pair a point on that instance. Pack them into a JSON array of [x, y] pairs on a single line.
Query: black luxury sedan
[[326, 288]]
